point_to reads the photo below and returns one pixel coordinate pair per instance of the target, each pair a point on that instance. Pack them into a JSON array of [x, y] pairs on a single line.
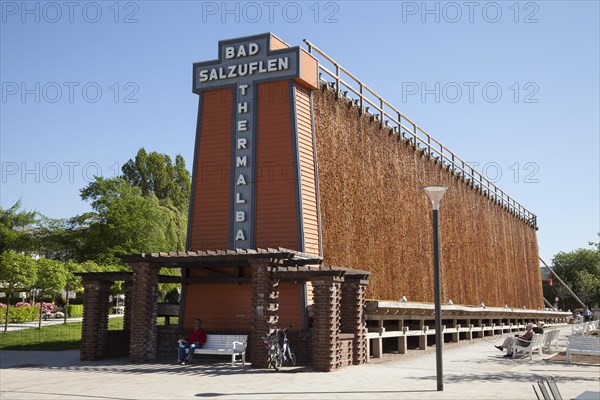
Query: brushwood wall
[[376, 216]]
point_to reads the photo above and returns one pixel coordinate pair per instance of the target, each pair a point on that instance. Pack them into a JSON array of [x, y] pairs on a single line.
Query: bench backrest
[[218, 341], [536, 340], [580, 329], [551, 336], [584, 342]]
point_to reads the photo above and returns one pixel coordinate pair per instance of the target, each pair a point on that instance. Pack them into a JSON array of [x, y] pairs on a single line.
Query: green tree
[[155, 173], [580, 270], [125, 221], [14, 224], [17, 272], [59, 239], [144, 210], [51, 277]]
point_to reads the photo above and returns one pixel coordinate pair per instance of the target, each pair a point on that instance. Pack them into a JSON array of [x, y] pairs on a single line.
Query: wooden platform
[[411, 325]]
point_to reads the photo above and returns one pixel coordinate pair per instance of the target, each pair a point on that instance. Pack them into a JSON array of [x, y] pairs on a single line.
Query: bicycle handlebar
[[277, 330]]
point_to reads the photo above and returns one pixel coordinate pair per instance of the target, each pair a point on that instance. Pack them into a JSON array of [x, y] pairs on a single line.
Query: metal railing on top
[[388, 116]]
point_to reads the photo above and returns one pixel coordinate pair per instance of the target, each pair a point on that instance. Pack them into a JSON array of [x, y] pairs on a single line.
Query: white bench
[[534, 345], [580, 329], [550, 339], [585, 345], [233, 345]]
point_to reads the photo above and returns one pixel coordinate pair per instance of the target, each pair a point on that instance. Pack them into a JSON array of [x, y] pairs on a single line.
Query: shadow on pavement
[[366, 392], [122, 366]]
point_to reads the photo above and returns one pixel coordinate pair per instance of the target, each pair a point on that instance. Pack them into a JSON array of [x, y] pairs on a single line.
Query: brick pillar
[[353, 316], [95, 319], [128, 285], [326, 323], [265, 309], [144, 307]]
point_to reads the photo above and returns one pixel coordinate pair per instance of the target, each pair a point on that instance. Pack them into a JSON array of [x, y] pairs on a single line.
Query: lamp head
[[435, 194]]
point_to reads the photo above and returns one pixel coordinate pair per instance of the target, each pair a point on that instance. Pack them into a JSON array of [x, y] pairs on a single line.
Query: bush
[[22, 313], [75, 310]]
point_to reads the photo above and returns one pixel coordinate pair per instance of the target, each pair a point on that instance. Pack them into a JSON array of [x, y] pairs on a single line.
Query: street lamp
[[435, 194]]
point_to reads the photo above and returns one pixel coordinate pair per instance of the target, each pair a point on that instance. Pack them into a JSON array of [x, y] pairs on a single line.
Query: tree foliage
[[144, 210], [155, 174], [17, 271], [13, 228], [580, 270], [51, 275], [124, 221], [59, 239], [73, 282]]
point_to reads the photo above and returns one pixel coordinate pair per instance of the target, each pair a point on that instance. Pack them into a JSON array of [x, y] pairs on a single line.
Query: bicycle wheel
[[277, 358], [271, 357], [291, 356]]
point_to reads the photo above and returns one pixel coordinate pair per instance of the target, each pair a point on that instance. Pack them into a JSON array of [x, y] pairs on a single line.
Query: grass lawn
[[55, 337], [50, 337]]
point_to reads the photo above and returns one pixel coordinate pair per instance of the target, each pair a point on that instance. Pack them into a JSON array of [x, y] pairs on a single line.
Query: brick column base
[[144, 307], [265, 310], [353, 316], [95, 320], [326, 324]]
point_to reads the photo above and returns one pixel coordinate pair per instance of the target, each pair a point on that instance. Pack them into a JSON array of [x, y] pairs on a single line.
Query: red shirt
[[197, 336]]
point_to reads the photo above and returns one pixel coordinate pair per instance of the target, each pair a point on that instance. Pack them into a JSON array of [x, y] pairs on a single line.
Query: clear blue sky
[[86, 84]]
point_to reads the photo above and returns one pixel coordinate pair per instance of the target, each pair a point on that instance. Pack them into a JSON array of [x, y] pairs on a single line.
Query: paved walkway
[[471, 371]]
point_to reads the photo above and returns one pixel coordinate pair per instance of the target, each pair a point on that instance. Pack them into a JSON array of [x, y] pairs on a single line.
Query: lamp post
[[435, 194]]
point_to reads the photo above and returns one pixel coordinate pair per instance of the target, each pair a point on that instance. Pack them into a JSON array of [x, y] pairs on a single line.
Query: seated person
[[195, 339], [523, 340], [539, 328]]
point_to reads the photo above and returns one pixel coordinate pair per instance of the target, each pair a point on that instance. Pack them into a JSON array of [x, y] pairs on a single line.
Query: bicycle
[[278, 353]]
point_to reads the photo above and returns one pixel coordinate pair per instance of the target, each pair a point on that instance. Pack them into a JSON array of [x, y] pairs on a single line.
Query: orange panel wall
[[309, 75], [276, 224], [210, 213], [226, 307], [290, 305], [223, 307], [277, 43], [308, 171]]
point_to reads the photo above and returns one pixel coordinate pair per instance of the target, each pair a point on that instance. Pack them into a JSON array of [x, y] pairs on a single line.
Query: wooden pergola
[[339, 318]]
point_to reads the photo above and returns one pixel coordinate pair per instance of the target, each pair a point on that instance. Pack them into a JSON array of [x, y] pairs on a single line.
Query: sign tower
[[254, 180]]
